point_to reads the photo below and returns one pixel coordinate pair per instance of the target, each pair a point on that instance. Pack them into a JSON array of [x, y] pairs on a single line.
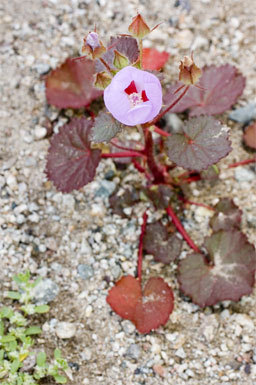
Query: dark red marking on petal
[[144, 96], [131, 88]]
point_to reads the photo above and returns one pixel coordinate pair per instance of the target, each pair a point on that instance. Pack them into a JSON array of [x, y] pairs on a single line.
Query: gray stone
[[244, 114], [133, 351], [85, 271], [243, 174], [42, 68], [45, 292], [65, 330], [251, 219], [175, 123], [106, 189]]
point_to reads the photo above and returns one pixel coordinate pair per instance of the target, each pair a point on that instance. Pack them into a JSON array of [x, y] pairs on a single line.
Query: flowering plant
[[224, 266]]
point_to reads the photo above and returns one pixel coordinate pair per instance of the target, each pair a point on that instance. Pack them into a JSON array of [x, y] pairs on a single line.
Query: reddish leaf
[[104, 128], [161, 195], [203, 142], [221, 88], [163, 246], [228, 276], [227, 216], [71, 84], [126, 45], [250, 136], [71, 163], [147, 310], [152, 59], [124, 297], [119, 201]]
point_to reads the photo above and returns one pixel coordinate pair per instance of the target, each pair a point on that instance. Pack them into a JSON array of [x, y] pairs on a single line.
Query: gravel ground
[[73, 240]]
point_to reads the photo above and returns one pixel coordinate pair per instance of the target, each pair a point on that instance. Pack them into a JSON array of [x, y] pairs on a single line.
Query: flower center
[[134, 96]]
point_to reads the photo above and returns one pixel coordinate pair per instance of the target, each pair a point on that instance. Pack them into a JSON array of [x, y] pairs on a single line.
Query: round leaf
[[203, 142]]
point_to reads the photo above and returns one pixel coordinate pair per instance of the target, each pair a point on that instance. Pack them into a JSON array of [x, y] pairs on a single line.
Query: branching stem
[[140, 251], [124, 154], [242, 163]]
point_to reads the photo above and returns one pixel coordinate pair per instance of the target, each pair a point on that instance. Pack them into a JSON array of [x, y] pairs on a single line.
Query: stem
[[159, 116], [123, 147], [181, 229], [161, 132], [141, 49], [196, 203], [106, 65], [140, 251], [124, 154], [242, 162], [141, 169], [158, 174]]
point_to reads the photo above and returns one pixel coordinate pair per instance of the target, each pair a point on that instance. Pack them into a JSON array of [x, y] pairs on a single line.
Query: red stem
[[157, 173], [140, 251], [196, 203], [123, 147], [181, 229], [161, 132], [242, 162], [159, 116], [123, 154], [141, 169]]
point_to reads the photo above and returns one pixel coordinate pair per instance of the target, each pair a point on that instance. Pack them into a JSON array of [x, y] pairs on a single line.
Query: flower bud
[[189, 72], [93, 47], [103, 79], [138, 27], [120, 61]]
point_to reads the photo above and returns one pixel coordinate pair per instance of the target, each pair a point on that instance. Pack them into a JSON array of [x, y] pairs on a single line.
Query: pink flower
[[133, 96]]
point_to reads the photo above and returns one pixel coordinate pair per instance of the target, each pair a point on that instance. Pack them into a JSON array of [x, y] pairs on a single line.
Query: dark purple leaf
[[71, 84], [204, 142], [161, 195], [228, 276], [163, 246], [119, 201], [71, 163], [104, 128], [227, 216], [221, 88], [126, 45]]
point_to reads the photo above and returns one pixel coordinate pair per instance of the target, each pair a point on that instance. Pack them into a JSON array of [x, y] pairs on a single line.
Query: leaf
[[104, 128], [227, 216], [126, 45], [33, 330], [152, 59], [15, 366], [71, 84], [163, 246], [6, 312], [228, 276], [118, 202], [148, 309], [42, 309], [203, 142], [161, 195], [221, 88], [41, 359], [57, 354], [60, 379], [8, 338], [13, 295], [1, 328], [71, 163], [249, 136]]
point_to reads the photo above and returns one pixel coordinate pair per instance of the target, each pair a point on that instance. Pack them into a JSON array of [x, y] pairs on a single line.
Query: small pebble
[[65, 330]]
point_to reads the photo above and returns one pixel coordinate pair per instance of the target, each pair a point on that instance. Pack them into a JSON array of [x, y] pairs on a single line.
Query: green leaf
[[8, 338], [13, 295], [1, 354], [6, 312], [33, 330], [41, 359], [42, 309], [60, 379], [15, 366], [203, 142], [104, 128], [57, 354], [1, 328], [22, 278]]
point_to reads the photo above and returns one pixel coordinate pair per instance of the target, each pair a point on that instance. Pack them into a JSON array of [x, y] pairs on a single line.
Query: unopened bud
[[189, 72], [93, 47], [103, 79], [138, 27], [120, 61]]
